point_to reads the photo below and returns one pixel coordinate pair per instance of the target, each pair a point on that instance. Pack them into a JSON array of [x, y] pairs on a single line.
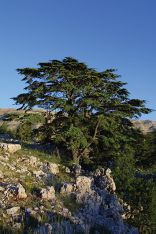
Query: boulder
[[33, 161], [10, 148], [104, 180], [112, 185], [65, 213], [83, 183], [66, 188], [17, 191], [66, 169], [39, 173], [51, 167], [47, 193], [21, 194], [13, 211]]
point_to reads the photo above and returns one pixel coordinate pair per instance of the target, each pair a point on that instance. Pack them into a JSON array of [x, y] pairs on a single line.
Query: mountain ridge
[[144, 125]]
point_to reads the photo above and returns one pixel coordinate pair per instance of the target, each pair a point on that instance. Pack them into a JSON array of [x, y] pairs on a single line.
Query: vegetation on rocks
[[87, 119]]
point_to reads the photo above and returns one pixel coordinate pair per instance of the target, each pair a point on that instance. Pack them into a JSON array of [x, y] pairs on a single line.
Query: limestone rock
[[13, 210], [83, 183], [104, 180], [66, 169], [66, 188], [47, 193], [10, 148], [65, 213], [51, 167], [17, 226], [100, 209], [110, 179], [39, 173], [17, 191], [33, 161], [21, 194]]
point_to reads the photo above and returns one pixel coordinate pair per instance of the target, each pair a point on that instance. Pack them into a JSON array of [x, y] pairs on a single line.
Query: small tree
[[24, 131], [86, 103]]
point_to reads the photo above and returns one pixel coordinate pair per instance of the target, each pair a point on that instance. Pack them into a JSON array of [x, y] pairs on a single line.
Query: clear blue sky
[[103, 33]]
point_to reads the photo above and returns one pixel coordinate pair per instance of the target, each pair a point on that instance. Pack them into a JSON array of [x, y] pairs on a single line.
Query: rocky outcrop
[[10, 148], [17, 191], [33, 161], [51, 168], [20, 192], [83, 183], [47, 193], [86, 200], [39, 173], [13, 211], [67, 188], [101, 207]]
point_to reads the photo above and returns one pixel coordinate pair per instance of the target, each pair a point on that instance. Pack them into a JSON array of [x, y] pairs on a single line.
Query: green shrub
[[33, 118], [4, 128], [24, 131]]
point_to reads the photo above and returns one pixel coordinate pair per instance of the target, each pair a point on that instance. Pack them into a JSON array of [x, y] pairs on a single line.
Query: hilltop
[[4, 111], [144, 125]]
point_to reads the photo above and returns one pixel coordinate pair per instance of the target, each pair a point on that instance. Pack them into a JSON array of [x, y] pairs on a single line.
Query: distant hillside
[[145, 125], [4, 111], [12, 117]]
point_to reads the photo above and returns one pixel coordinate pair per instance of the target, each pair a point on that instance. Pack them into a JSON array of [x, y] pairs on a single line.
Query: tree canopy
[[92, 109]]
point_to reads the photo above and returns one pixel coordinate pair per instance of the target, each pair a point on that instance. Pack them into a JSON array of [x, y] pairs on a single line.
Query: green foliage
[[153, 206], [4, 128], [148, 157], [12, 116], [92, 109], [77, 137], [124, 173], [137, 192], [140, 199], [41, 155], [44, 133], [33, 118], [24, 131]]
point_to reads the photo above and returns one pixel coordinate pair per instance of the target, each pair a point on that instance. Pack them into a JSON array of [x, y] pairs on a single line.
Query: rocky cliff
[[41, 196]]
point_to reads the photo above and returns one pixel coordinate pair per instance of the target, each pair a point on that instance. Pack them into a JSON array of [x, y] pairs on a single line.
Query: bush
[[33, 118], [4, 128], [24, 131]]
